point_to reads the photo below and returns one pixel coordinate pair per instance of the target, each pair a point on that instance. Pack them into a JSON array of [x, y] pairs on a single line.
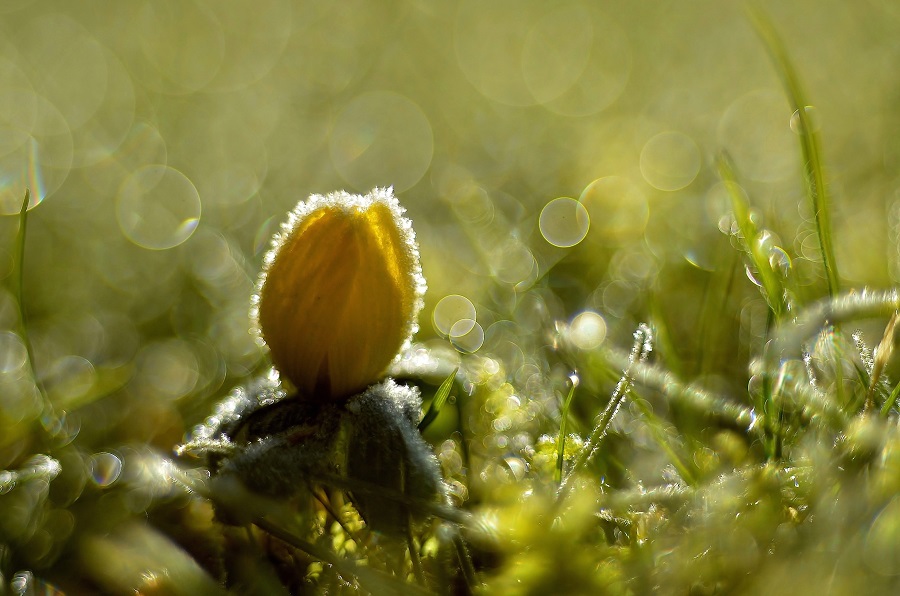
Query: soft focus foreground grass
[[755, 448]]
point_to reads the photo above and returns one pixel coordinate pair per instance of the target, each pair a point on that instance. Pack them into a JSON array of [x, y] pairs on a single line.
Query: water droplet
[[779, 260], [751, 275], [812, 117], [516, 466], [22, 583], [564, 222]]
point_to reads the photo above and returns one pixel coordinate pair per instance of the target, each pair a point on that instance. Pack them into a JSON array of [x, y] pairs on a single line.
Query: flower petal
[[340, 293]]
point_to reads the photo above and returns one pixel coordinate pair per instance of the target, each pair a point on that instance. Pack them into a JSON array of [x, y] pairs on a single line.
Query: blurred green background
[[163, 142]]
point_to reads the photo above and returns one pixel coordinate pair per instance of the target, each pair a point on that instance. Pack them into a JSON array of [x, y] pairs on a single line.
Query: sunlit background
[[556, 158]]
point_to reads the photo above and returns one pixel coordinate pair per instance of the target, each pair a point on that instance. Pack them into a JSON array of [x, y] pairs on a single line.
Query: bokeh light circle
[[512, 262], [576, 60], [449, 310], [252, 46], [489, 40], [167, 370], [41, 160], [587, 330], [670, 161], [72, 376], [619, 210], [157, 207], [466, 336], [182, 42], [100, 137], [564, 222], [105, 468], [381, 139], [69, 63], [754, 132], [13, 354], [18, 109], [143, 144], [556, 50]]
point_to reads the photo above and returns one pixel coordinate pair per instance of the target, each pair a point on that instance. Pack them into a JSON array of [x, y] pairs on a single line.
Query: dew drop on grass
[[779, 260], [751, 275], [22, 583], [516, 467], [812, 117], [574, 379]]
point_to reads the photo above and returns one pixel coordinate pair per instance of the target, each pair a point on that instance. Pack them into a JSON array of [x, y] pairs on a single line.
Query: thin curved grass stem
[[809, 142], [643, 339], [48, 418]]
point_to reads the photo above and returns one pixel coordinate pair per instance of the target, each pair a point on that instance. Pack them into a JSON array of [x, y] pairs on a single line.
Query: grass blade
[[643, 339], [809, 143], [18, 279], [50, 421], [655, 426], [560, 456], [772, 286], [440, 398], [886, 408]]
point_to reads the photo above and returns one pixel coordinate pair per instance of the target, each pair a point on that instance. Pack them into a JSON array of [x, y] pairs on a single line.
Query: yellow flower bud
[[340, 292]]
